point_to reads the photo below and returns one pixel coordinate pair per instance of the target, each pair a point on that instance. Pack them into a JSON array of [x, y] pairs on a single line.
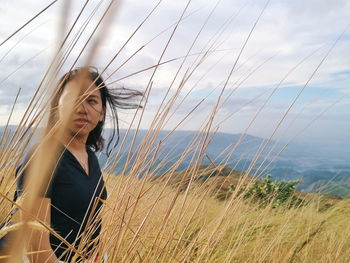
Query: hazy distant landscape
[[322, 168]]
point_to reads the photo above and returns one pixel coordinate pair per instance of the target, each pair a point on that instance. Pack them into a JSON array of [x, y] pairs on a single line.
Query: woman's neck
[[74, 143]]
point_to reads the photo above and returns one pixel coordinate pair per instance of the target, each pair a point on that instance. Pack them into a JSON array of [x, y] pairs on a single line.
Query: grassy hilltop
[[185, 222], [188, 217]]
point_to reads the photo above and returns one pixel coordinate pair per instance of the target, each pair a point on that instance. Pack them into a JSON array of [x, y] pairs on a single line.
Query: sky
[[290, 81]]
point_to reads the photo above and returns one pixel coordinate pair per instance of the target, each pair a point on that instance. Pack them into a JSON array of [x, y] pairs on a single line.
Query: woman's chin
[[79, 131]]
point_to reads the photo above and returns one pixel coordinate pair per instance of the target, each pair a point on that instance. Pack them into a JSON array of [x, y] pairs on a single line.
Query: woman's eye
[[92, 101]]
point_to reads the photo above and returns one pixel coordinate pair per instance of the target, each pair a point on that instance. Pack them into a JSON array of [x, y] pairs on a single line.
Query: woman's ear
[[103, 113]]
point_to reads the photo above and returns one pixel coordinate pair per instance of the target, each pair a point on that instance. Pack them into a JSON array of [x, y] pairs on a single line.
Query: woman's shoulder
[[93, 160], [91, 154], [32, 151], [22, 169]]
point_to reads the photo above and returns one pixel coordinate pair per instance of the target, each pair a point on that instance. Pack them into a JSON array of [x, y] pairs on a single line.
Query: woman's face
[[86, 115]]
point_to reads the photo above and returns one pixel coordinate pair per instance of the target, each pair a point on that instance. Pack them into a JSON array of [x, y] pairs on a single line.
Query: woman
[[73, 199]]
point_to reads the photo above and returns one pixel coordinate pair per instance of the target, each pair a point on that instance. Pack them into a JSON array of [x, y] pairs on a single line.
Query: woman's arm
[[40, 240]]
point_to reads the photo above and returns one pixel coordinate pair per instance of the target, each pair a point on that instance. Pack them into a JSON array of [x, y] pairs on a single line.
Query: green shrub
[[265, 191]]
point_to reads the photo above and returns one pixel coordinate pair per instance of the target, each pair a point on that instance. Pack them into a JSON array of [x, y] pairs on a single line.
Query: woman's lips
[[81, 122]]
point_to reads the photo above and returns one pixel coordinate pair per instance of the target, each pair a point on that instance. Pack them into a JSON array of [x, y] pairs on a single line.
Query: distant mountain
[[331, 188], [321, 167], [311, 163]]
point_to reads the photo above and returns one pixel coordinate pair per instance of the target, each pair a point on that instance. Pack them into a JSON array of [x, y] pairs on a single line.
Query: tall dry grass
[[164, 226], [146, 220]]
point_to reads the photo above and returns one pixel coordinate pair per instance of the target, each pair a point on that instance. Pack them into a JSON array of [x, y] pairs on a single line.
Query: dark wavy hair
[[111, 98]]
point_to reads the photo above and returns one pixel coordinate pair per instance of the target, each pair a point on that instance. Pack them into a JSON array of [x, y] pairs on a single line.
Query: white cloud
[[294, 29]]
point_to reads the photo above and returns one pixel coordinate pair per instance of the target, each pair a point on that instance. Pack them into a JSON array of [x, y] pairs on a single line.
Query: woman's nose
[[81, 107]]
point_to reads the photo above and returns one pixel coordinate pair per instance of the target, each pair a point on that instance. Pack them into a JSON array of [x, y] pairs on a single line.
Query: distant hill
[[322, 169], [218, 181]]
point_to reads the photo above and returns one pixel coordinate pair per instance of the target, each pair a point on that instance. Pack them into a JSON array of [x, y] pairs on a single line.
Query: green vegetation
[[268, 192]]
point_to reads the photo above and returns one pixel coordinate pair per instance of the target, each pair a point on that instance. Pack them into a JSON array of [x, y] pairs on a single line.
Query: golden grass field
[[154, 222], [171, 227]]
